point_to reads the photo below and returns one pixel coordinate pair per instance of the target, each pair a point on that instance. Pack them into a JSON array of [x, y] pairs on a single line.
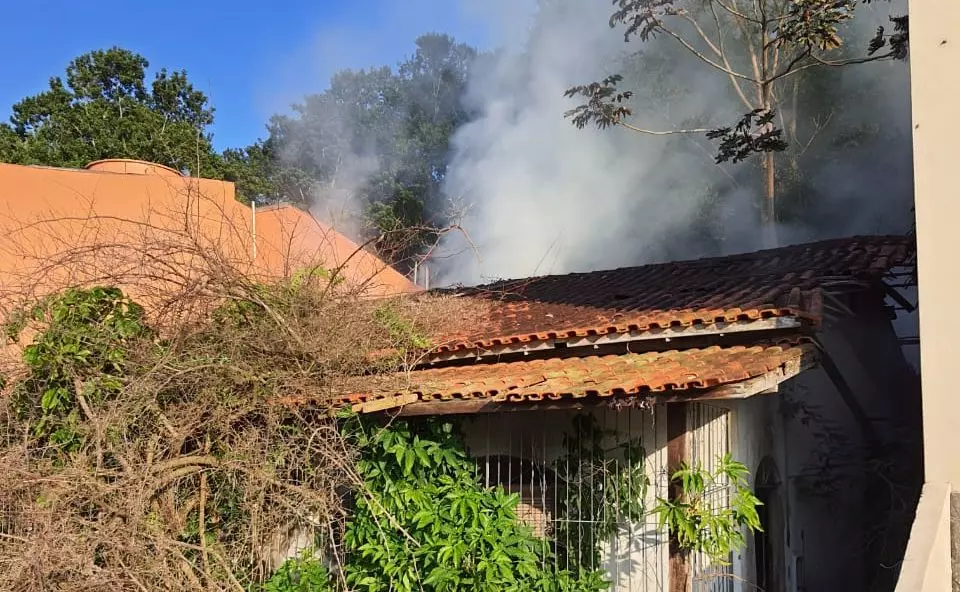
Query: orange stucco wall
[[126, 219]]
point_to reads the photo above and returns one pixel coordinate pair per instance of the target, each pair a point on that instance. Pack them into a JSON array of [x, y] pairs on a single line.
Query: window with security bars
[[585, 482], [588, 480], [708, 429]]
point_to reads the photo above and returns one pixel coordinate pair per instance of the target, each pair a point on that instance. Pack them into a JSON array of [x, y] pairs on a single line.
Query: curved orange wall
[[126, 217]]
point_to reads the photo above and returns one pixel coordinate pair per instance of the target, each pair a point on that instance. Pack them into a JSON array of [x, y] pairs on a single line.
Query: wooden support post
[[677, 453]]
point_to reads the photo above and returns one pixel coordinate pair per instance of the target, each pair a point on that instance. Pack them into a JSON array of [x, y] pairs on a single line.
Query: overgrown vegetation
[[146, 461], [137, 459], [193, 443]]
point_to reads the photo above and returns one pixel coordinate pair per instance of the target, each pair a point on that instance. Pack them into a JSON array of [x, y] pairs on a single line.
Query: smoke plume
[[541, 196]]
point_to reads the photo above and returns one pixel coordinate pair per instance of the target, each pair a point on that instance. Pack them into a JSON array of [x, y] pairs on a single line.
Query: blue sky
[[252, 58]]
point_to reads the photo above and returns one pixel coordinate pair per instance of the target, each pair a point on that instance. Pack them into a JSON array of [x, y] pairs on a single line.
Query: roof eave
[[409, 404], [667, 335]]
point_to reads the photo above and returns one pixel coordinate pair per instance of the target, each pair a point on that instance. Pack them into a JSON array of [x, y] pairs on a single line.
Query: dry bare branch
[[199, 426]]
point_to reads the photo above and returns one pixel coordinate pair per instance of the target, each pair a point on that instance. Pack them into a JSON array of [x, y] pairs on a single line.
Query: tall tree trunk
[[768, 215]]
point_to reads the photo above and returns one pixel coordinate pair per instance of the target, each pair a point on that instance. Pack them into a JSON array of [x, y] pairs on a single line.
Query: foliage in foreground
[[142, 460], [147, 461], [423, 521]]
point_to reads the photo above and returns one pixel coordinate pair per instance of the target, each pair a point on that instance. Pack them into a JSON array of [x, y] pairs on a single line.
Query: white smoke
[[543, 197], [383, 38], [336, 202]]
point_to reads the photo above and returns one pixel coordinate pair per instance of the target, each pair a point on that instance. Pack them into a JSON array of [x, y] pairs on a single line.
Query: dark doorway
[[770, 543]]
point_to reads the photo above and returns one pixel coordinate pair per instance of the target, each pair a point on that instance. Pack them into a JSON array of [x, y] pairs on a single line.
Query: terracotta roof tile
[[773, 283], [603, 376]]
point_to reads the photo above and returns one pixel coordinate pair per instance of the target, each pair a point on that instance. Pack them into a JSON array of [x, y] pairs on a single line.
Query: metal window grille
[[708, 427], [572, 473], [572, 476]]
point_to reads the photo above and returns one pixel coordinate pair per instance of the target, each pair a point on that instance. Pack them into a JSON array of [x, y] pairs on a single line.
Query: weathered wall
[[849, 454], [755, 434], [820, 492]]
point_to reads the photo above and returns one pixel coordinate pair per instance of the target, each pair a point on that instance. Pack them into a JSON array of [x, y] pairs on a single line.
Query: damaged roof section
[[574, 340], [702, 373], [731, 291]]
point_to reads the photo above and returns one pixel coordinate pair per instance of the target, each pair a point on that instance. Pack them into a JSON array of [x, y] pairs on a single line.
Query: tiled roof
[[788, 281], [576, 377]]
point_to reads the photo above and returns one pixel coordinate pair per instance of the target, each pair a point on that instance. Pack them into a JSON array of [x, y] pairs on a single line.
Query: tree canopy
[[104, 107], [375, 142]]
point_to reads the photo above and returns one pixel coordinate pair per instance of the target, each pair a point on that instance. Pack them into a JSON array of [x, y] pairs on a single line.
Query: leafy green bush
[[425, 522], [80, 356], [303, 574]]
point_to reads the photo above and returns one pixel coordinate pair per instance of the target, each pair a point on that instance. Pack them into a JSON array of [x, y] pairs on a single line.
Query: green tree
[[104, 108], [766, 49], [379, 139], [260, 176]]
